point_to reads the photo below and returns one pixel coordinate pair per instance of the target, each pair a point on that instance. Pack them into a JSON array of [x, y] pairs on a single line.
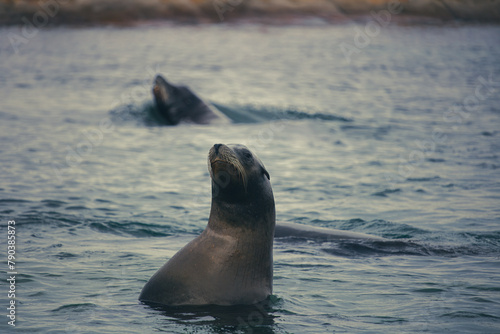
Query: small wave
[[145, 114], [356, 249], [53, 203], [82, 307], [429, 290], [65, 255], [409, 247], [47, 218], [9, 201], [77, 207], [423, 179], [485, 288], [379, 227], [436, 160], [99, 200], [402, 239], [488, 133], [471, 315], [256, 114], [386, 192], [135, 229]]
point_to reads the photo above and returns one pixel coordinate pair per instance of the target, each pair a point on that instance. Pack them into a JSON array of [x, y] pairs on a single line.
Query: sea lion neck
[[227, 216]]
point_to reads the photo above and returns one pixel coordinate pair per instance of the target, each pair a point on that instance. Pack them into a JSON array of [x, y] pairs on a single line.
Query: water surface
[[103, 195]]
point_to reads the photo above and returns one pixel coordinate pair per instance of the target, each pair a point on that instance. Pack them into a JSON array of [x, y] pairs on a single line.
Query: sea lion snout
[[225, 167], [219, 150], [216, 148]]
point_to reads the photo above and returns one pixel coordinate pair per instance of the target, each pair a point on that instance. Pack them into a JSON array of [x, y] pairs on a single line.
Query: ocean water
[[393, 133]]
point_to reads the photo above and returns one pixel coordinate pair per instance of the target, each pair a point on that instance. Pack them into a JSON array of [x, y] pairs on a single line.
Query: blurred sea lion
[[179, 104]]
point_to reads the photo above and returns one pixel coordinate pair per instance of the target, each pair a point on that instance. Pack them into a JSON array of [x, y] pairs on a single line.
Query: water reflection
[[257, 318]]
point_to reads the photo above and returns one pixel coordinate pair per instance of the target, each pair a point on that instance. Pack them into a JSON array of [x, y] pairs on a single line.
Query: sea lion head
[[242, 195], [237, 174]]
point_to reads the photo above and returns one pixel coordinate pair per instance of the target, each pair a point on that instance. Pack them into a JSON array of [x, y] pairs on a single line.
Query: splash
[[144, 113]]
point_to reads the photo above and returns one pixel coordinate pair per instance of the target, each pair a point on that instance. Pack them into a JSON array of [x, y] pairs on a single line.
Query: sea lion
[[231, 261], [178, 104]]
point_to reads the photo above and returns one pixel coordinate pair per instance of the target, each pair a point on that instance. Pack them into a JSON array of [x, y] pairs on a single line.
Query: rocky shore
[[54, 12]]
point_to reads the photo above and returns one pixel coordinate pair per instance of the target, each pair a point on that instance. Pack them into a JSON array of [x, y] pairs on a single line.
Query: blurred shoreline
[[41, 13]]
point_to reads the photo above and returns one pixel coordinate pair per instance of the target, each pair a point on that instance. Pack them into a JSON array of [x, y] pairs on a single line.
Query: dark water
[[399, 141]]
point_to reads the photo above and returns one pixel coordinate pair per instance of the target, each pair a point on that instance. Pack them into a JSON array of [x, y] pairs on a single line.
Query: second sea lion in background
[[178, 104]]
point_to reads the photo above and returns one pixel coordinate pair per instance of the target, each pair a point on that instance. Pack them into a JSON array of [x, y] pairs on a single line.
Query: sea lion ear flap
[[266, 173]]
